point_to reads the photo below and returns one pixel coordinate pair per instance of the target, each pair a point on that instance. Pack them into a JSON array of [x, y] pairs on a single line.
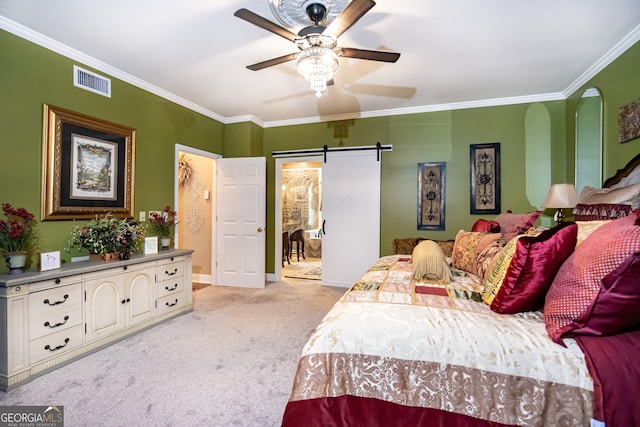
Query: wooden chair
[[285, 248], [298, 237]]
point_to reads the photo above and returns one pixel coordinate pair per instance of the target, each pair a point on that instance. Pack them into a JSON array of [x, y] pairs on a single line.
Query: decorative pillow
[[616, 307], [600, 211], [532, 268], [485, 226], [430, 262], [579, 279], [587, 227], [498, 271], [467, 246], [622, 195], [484, 260], [512, 224]]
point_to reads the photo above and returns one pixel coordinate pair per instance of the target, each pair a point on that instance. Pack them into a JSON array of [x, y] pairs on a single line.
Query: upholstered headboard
[[628, 170]]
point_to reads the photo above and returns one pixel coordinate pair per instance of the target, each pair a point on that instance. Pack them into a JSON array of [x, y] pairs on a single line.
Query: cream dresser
[[54, 317]]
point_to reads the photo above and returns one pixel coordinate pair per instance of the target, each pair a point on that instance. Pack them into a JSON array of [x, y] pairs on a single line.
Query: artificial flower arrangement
[[17, 232], [163, 223], [107, 235]]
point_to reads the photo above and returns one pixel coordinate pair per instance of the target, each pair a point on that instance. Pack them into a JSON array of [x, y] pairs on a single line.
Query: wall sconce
[[561, 196]]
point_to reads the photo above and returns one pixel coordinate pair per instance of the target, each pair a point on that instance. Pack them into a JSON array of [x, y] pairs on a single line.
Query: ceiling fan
[[317, 59]]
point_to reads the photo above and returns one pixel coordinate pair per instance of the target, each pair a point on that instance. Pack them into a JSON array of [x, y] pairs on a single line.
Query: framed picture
[[49, 260], [485, 178], [629, 121], [431, 195], [87, 166]]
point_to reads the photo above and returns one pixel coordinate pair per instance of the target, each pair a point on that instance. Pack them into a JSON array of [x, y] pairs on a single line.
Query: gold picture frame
[[88, 166]]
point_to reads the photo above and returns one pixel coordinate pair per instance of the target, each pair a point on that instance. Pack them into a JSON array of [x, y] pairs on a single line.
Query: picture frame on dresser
[[88, 166], [431, 195], [485, 178]]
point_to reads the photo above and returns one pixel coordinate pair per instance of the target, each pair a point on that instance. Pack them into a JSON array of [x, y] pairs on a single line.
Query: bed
[[560, 351]]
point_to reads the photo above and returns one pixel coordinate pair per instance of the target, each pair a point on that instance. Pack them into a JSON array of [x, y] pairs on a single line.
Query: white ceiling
[[455, 54]]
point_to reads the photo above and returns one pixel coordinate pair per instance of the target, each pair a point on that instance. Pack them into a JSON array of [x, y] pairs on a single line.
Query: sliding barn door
[[351, 214], [241, 219]]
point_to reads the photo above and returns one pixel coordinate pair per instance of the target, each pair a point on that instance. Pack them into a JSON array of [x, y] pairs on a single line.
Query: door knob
[[260, 229]]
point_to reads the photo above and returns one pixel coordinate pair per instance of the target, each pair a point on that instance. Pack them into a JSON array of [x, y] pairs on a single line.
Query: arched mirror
[[589, 140]]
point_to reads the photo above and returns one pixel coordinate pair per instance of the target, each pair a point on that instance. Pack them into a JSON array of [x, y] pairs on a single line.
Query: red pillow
[[579, 281], [533, 267], [485, 226], [512, 224], [616, 308]]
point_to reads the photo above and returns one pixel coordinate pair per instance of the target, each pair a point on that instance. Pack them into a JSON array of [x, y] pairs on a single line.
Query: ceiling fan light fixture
[[317, 64]]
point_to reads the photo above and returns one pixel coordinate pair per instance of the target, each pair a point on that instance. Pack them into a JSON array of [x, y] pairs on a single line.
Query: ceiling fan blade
[[349, 16], [264, 23], [272, 62], [372, 55]]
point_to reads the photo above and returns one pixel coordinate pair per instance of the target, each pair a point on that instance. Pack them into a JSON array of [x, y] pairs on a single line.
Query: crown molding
[[630, 39]]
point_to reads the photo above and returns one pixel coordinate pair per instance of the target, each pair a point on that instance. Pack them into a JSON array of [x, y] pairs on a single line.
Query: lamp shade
[[561, 196]]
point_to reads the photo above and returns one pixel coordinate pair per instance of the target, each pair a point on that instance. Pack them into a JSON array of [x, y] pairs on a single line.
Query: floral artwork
[[629, 121], [431, 195]]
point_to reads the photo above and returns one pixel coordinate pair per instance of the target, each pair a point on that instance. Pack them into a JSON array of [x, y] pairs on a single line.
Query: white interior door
[[351, 214], [241, 219]]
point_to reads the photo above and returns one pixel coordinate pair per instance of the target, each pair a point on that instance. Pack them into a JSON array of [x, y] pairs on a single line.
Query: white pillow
[[622, 195]]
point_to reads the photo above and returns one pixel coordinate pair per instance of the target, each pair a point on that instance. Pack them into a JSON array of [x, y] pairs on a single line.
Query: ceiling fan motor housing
[[316, 12]]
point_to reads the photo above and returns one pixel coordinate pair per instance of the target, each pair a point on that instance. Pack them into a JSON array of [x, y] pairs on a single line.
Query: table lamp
[[561, 196]]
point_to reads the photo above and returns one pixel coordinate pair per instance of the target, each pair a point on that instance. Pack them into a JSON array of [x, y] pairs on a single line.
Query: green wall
[[31, 76]]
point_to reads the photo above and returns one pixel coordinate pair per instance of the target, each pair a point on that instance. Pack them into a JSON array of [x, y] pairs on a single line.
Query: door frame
[[277, 275], [178, 148]]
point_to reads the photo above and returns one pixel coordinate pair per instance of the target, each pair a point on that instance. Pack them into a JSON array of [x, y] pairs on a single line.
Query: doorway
[[301, 219]]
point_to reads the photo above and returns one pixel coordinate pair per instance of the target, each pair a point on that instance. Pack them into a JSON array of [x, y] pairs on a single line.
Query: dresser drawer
[[54, 309], [51, 283], [169, 271], [55, 344], [171, 302], [170, 287]]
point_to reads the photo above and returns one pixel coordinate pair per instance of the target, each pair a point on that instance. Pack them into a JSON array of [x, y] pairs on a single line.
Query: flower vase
[[16, 262], [165, 242]]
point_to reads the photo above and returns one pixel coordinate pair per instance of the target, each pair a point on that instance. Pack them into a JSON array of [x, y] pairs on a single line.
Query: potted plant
[[17, 237], [163, 224], [107, 237]]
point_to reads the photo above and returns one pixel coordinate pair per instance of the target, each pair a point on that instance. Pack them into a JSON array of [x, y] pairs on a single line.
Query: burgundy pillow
[[485, 226], [512, 224], [533, 267], [579, 281], [583, 212], [616, 308]]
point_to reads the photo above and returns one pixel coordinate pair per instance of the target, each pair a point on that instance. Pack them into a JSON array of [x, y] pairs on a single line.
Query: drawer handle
[[48, 347], [124, 268], [175, 270], [171, 289], [57, 281], [57, 324], [171, 305], [64, 298]]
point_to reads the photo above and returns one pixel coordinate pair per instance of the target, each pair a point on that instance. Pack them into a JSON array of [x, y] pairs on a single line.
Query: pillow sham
[[485, 259], [499, 267], [486, 226], [467, 246], [579, 280], [430, 262], [513, 224], [600, 211], [616, 307], [621, 195], [533, 266]]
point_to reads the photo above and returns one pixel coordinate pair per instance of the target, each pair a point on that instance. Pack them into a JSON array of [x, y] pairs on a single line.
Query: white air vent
[[93, 82]]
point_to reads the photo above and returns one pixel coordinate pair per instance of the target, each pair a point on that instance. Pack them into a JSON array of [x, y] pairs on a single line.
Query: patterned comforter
[[396, 351]]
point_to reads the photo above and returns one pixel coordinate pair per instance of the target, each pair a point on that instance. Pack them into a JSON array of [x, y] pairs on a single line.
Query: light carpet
[[230, 362], [309, 269]]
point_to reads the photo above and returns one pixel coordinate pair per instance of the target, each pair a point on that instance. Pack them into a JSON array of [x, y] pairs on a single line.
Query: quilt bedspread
[[437, 346]]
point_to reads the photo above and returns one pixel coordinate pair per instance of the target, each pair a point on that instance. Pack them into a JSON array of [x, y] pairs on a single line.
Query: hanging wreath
[[184, 170]]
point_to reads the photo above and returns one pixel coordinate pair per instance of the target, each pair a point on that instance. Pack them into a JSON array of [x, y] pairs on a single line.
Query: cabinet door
[[105, 301], [140, 287]]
